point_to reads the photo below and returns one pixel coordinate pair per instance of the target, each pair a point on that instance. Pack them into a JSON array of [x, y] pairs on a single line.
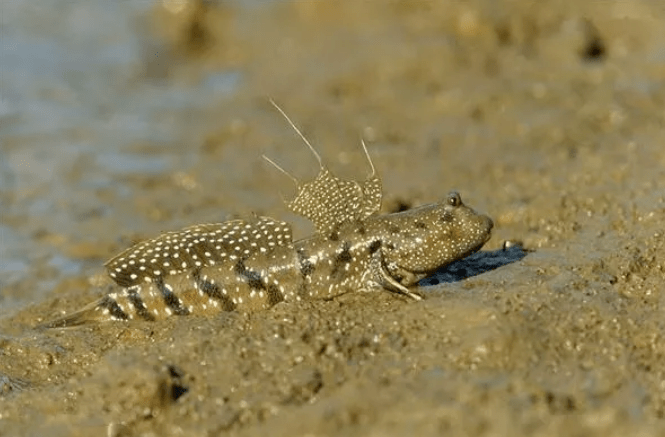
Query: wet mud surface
[[546, 116]]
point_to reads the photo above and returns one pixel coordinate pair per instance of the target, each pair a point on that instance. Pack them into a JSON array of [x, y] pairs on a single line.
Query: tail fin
[[91, 313]]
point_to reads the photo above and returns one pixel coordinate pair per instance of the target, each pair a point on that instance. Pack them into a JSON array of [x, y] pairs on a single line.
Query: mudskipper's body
[[253, 264]]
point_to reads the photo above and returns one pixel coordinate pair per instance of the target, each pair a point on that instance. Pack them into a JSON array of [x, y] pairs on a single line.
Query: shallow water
[[79, 117], [122, 120]]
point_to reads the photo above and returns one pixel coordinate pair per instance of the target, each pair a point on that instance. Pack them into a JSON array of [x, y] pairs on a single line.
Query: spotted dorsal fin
[[329, 201], [195, 247]]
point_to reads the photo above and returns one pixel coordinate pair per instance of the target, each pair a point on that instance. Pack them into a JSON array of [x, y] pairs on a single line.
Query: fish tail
[[91, 313]]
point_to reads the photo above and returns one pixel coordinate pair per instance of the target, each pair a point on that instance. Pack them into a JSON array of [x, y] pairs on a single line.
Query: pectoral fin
[[381, 276]]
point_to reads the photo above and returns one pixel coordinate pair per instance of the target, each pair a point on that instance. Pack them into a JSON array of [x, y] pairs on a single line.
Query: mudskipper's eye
[[454, 199]]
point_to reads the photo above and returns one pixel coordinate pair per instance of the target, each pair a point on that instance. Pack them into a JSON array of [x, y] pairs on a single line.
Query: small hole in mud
[[594, 47], [594, 50], [399, 205]]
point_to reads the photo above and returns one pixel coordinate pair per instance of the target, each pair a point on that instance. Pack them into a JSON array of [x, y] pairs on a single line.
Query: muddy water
[[118, 122]]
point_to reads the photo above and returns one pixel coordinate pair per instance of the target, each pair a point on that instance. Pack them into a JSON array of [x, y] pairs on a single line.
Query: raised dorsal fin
[[329, 201], [195, 247]]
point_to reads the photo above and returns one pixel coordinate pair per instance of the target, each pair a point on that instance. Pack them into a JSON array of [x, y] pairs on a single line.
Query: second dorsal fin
[[329, 201], [195, 247]]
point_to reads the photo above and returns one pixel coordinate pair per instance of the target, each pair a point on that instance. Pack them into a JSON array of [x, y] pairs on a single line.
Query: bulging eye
[[454, 199]]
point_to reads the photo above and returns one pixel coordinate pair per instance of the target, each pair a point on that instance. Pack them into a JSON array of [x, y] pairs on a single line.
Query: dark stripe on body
[[114, 309], [274, 295], [307, 269], [170, 299], [255, 282], [374, 246], [341, 259], [139, 305], [212, 290], [305, 265], [253, 278]]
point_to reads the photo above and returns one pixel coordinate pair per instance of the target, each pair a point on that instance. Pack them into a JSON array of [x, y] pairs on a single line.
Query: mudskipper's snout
[[489, 224]]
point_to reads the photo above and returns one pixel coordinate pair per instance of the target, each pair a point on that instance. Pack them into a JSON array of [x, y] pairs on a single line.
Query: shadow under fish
[[476, 264]]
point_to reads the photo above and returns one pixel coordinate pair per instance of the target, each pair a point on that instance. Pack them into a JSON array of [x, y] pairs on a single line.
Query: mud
[[546, 115]]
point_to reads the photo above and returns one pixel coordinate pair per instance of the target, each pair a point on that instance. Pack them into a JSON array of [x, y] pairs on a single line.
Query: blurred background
[[120, 120]]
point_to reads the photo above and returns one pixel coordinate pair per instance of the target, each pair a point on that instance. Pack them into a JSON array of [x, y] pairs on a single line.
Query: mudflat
[[547, 116]]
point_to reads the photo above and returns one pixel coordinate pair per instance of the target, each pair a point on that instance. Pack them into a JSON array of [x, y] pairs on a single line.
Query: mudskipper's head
[[422, 240]]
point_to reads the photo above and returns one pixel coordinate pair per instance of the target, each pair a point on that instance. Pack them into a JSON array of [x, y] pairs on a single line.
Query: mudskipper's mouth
[[489, 225]]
